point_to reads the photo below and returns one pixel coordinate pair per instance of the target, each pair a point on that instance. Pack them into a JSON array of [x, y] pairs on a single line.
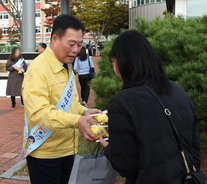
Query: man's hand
[[84, 123], [16, 68], [93, 111]]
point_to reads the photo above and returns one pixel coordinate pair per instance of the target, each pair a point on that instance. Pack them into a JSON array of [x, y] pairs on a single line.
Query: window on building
[[4, 15], [134, 3], [38, 29], [48, 30], [5, 1], [4, 30], [17, 1], [138, 2], [125, 1], [143, 2], [37, 13], [196, 8]]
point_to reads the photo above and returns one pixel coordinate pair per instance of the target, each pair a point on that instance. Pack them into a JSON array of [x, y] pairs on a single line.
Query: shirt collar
[[55, 64], [55, 56]]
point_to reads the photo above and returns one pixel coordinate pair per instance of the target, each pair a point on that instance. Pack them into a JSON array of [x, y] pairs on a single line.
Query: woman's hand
[[93, 111], [102, 141], [16, 68]]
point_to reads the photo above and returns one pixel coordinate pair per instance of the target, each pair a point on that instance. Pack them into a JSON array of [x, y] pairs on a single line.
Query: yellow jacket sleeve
[[81, 109]]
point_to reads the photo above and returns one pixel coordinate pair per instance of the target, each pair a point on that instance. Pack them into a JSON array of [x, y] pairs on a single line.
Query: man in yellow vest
[[43, 87]]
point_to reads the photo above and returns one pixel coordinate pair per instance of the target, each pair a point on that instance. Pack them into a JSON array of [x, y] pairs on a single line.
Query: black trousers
[[50, 171], [13, 99], [85, 88]]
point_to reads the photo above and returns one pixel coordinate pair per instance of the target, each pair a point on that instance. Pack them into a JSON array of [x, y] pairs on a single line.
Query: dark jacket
[[142, 146], [14, 83]]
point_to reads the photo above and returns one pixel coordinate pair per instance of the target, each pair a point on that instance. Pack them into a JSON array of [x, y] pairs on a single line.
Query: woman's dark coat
[[14, 83], [142, 146]]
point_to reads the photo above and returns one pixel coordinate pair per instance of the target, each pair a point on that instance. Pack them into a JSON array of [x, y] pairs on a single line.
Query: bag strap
[[89, 62], [175, 130], [97, 150]]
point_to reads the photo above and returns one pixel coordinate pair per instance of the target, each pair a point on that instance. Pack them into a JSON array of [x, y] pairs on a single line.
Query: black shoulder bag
[[91, 69], [190, 177]]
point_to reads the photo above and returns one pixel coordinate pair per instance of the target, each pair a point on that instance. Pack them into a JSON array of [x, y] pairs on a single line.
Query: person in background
[[87, 51], [16, 76], [44, 85], [42, 47], [84, 62], [142, 146], [90, 48]]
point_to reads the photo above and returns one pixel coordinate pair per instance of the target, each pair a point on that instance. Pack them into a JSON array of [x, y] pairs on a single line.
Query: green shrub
[[106, 84], [182, 46]]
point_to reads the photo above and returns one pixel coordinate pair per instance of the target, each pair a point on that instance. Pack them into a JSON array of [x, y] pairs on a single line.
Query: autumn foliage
[[54, 10]]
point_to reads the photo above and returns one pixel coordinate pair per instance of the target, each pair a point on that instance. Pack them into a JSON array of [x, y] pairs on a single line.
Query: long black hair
[[83, 55], [138, 63]]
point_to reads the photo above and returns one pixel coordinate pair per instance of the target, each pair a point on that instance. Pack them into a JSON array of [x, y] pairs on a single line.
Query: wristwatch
[[85, 111]]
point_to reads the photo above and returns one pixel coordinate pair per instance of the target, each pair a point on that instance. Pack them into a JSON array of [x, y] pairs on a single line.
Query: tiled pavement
[[11, 133]]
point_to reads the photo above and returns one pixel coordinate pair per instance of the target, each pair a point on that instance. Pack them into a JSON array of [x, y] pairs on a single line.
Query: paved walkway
[[11, 133]]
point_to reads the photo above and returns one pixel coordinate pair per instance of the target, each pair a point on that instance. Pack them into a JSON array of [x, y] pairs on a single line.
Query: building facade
[[190, 8], [153, 8], [145, 8]]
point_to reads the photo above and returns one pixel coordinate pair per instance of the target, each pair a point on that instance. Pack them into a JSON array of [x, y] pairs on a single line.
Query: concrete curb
[[9, 173]]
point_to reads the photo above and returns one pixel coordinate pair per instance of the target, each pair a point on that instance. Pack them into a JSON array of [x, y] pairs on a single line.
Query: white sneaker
[[84, 104]]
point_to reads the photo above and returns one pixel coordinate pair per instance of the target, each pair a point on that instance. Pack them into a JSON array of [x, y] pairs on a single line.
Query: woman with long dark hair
[[16, 67], [142, 146], [84, 63]]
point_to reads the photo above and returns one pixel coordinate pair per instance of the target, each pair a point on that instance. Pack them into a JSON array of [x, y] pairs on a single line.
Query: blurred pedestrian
[[16, 66], [84, 63], [90, 47], [42, 47]]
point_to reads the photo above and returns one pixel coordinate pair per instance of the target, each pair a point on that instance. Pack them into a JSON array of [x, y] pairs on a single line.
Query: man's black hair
[[63, 22], [43, 45]]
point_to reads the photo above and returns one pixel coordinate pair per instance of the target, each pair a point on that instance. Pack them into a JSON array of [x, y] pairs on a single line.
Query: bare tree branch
[[13, 11]]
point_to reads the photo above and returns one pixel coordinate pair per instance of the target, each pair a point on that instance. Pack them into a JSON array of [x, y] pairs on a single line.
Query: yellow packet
[[102, 119], [97, 129]]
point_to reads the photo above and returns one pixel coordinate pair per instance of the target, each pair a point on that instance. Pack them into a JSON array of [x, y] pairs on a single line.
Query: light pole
[[28, 26], [65, 6], [28, 23]]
